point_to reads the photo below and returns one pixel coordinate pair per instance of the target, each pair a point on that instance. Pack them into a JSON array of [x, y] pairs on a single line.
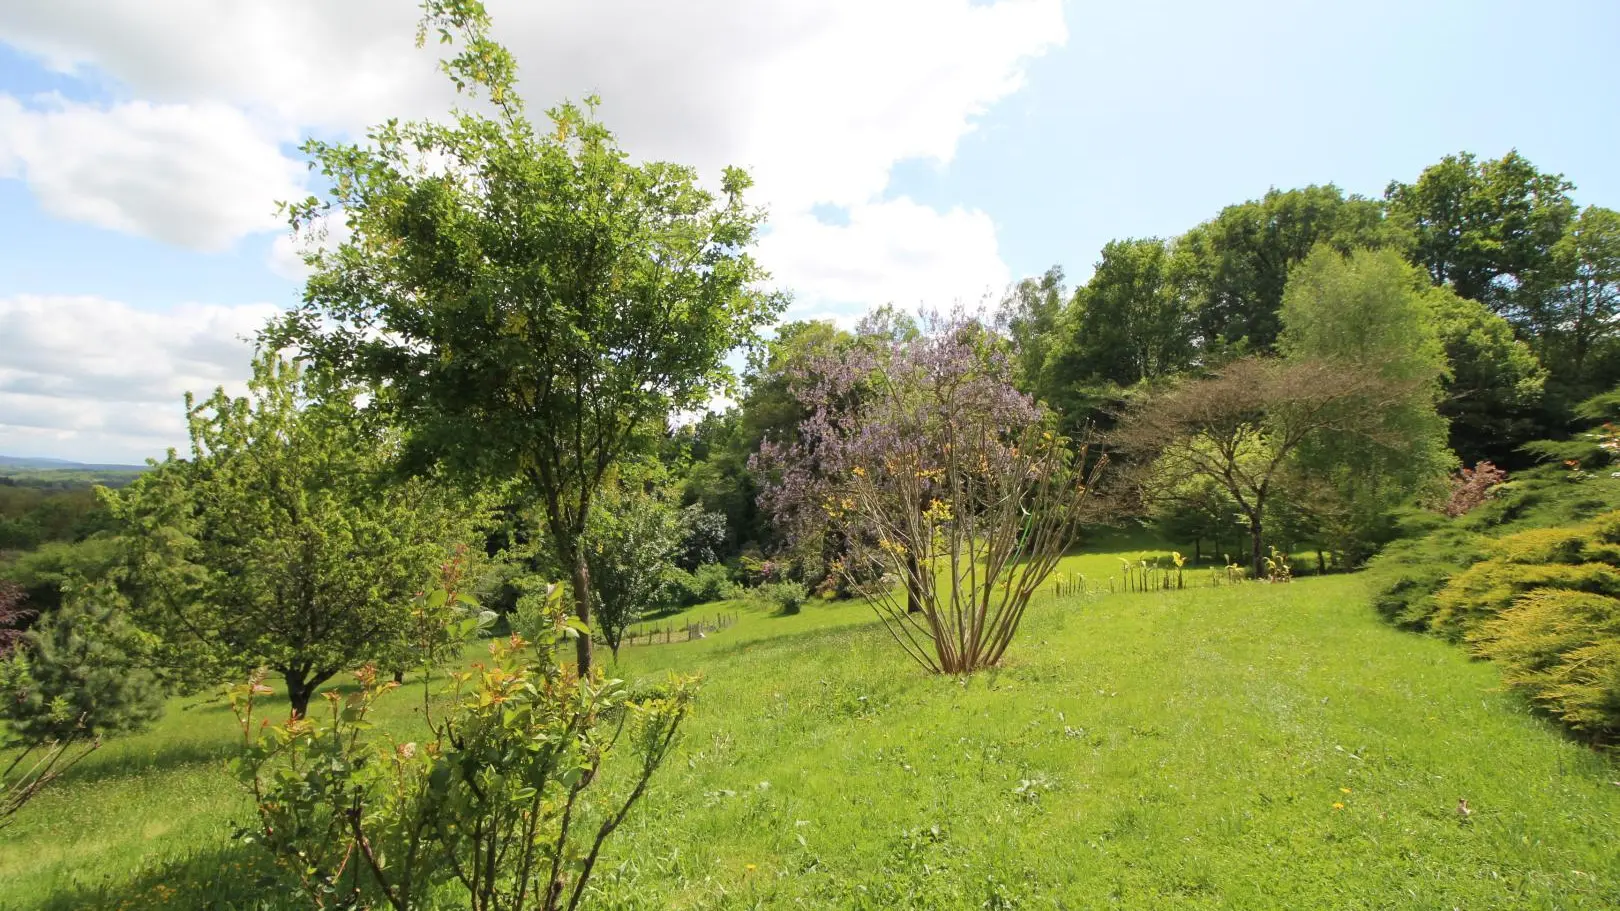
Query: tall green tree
[[283, 541], [1492, 391], [533, 302], [1029, 315], [1584, 309], [1487, 228], [1130, 322], [1369, 310], [1238, 262]]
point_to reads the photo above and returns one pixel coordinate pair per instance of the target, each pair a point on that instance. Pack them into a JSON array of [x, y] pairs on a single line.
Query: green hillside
[[1247, 746]]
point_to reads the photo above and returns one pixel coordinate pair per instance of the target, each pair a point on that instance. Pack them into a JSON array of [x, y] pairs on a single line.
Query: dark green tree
[[1493, 385], [1238, 262], [75, 679], [1130, 322], [1487, 229], [703, 536], [283, 541], [79, 675], [533, 302]]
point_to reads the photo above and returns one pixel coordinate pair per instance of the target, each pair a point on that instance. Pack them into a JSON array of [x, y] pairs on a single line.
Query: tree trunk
[[1258, 551], [582, 610], [300, 687], [913, 584], [1198, 551]]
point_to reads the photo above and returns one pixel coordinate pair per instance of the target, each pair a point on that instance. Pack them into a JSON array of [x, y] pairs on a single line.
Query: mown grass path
[[1253, 746]]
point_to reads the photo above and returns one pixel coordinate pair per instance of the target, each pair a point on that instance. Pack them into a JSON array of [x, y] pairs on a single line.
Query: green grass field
[[1250, 746]]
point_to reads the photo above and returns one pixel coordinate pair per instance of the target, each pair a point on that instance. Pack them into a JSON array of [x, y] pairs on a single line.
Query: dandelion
[[1338, 806], [1345, 790], [750, 867]]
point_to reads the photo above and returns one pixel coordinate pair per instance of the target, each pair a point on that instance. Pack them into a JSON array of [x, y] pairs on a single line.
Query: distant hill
[[61, 474], [44, 464]]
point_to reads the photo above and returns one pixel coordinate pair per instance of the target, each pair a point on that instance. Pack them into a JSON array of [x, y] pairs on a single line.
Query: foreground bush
[[920, 458], [1561, 648], [507, 807], [1545, 605], [72, 681]]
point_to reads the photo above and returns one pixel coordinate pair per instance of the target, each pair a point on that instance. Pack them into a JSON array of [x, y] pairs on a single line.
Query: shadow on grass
[[797, 640], [128, 763], [664, 614], [233, 878]]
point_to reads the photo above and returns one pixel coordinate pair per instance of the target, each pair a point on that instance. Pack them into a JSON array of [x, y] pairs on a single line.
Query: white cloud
[[819, 100], [98, 380], [894, 252], [196, 175]]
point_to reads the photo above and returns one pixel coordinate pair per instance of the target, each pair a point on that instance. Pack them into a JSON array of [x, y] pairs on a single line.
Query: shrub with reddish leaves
[[1471, 487]]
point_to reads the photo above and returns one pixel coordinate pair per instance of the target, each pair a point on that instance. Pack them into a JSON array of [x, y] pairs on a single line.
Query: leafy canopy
[[527, 300], [283, 541], [630, 547]]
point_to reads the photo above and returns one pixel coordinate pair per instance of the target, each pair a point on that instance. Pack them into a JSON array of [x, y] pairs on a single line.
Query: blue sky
[[910, 150], [1156, 114]]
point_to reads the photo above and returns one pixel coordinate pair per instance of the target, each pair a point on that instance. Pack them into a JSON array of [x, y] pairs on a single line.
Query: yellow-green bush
[[1486, 589], [1545, 605], [1431, 549], [1561, 648]]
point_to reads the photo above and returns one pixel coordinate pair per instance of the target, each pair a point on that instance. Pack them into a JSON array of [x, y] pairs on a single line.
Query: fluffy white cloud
[[895, 252], [818, 100], [821, 99], [196, 175], [98, 380]]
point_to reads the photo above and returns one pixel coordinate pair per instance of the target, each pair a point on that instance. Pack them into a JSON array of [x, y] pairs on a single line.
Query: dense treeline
[[33, 512], [1521, 288]]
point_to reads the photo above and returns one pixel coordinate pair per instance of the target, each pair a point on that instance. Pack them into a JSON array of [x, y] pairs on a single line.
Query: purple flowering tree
[[928, 466]]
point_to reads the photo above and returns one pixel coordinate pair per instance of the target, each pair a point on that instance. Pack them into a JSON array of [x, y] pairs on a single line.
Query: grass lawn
[[1250, 746]]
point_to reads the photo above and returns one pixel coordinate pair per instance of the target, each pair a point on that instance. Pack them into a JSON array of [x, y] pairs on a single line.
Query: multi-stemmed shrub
[[934, 471], [505, 805]]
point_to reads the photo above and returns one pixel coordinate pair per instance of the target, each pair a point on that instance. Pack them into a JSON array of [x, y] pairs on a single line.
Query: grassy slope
[[1175, 750]]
